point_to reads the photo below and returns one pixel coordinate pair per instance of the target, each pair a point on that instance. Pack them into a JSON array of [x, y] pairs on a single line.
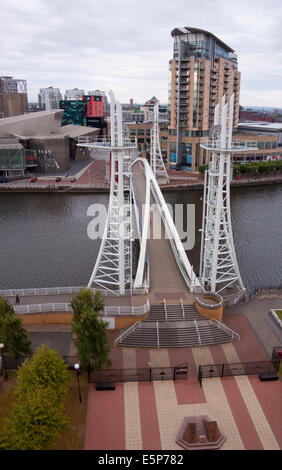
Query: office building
[[49, 98], [74, 94], [74, 112], [202, 70], [13, 97]]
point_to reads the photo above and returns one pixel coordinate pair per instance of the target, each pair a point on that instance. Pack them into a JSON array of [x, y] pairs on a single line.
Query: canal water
[[44, 240]]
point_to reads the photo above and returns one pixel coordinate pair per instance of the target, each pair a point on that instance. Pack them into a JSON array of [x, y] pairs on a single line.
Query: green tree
[[15, 338], [203, 168], [91, 339], [38, 413], [46, 370], [36, 420]]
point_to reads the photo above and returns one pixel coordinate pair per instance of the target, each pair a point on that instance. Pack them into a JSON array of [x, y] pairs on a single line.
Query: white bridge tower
[[156, 159], [219, 271], [113, 266]]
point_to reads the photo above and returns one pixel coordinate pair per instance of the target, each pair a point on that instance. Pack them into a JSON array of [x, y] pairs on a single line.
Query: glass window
[[261, 145], [274, 145]]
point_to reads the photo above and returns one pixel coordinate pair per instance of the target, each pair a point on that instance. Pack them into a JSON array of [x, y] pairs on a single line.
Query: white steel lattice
[[156, 159], [218, 265], [113, 266]]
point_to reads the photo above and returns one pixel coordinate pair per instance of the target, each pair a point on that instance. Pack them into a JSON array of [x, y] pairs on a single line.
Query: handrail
[[115, 310], [125, 333], [224, 327], [66, 290], [165, 310], [158, 336], [182, 308], [197, 329]]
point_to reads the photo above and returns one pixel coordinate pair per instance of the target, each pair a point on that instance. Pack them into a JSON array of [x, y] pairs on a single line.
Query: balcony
[[236, 145]]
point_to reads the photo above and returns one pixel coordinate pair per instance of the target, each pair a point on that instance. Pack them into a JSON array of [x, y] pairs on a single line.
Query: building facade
[[74, 94], [49, 98], [202, 70], [13, 97]]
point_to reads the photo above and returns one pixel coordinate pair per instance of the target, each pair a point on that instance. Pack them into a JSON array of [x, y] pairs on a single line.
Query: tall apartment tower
[[13, 97], [202, 70], [49, 98]]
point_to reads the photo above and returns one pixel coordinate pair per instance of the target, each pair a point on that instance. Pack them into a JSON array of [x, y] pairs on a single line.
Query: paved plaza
[[147, 416]]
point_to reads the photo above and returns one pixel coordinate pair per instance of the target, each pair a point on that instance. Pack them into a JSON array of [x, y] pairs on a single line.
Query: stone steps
[[173, 335], [174, 313]]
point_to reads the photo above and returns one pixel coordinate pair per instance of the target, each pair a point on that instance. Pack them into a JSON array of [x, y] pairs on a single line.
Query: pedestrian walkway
[[148, 415]]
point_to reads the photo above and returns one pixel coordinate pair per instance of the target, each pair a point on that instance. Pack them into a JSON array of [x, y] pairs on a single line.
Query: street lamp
[[77, 369], [4, 361]]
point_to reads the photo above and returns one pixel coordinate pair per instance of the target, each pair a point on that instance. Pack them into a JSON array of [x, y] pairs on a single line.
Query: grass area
[[279, 313], [72, 438]]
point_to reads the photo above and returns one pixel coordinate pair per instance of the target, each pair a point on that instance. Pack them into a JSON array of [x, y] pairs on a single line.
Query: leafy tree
[[38, 412], [35, 422], [46, 369], [203, 168], [91, 339], [15, 338]]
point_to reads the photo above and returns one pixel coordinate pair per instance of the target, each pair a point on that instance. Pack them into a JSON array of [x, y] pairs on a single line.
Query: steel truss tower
[[219, 271], [156, 159], [113, 267]]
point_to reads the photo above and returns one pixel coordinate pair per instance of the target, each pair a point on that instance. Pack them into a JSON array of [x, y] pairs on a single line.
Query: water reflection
[[44, 238]]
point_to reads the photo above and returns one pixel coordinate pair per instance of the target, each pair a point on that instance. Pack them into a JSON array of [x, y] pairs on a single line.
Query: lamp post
[[3, 359], [77, 369]]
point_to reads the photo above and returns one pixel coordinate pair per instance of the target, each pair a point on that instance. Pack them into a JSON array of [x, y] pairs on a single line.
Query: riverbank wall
[[85, 188]]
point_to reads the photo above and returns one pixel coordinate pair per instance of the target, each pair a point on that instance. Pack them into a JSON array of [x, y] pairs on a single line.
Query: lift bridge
[[151, 292], [163, 270]]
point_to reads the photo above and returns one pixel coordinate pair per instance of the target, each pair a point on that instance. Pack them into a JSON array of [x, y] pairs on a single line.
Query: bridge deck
[[166, 280]]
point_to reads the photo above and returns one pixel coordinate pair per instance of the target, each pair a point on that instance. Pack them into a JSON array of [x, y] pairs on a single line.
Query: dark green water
[[44, 241]]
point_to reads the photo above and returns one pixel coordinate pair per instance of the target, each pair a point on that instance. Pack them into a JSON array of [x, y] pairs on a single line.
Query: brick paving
[[148, 415]]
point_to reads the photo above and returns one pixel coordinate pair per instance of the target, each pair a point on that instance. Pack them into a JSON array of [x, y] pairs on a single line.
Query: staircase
[[173, 312], [175, 326]]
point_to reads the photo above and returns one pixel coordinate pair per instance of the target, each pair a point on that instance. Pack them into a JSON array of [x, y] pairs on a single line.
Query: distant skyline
[[126, 45]]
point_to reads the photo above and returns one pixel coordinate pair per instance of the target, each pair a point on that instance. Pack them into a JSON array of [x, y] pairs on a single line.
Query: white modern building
[[49, 98], [74, 94]]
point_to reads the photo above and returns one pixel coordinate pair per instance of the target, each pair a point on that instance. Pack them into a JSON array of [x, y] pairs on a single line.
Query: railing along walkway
[[115, 310]]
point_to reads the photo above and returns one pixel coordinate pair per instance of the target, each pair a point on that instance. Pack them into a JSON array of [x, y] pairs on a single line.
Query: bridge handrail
[[178, 249], [115, 310]]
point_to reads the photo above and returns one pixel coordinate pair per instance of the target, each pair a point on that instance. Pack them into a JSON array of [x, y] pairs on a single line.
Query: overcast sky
[[125, 45]]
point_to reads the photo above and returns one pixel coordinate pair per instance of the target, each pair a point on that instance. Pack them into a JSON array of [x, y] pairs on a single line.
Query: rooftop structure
[[13, 97]]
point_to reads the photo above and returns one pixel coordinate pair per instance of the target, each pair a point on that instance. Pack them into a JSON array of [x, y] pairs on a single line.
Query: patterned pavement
[[147, 416]]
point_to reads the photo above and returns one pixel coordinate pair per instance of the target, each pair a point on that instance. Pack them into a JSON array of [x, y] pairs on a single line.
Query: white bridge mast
[[218, 264], [113, 267], [156, 159]]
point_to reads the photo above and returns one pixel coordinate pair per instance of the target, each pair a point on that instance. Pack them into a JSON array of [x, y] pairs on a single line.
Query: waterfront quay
[[91, 178]]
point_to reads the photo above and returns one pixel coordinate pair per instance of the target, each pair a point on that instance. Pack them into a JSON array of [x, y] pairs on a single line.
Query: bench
[[105, 386], [265, 376]]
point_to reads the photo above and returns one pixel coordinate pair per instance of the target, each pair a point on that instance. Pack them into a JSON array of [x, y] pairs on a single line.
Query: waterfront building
[[13, 97], [74, 94], [202, 70], [40, 132], [49, 98]]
